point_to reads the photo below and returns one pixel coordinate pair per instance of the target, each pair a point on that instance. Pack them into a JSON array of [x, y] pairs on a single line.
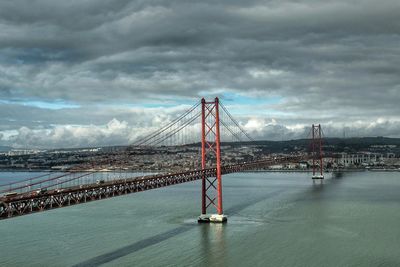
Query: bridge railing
[[59, 180]]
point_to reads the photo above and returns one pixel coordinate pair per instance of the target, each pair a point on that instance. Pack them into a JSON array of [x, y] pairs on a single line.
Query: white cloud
[[114, 132], [330, 63]]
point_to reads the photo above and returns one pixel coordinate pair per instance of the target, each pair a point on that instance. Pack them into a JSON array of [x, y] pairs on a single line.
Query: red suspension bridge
[[207, 121]]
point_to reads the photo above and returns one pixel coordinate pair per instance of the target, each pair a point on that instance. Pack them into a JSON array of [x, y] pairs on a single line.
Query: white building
[[361, 159]]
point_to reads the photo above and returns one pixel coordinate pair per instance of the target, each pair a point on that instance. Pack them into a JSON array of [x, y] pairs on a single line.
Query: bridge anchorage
[[211, 192], [316, 152]]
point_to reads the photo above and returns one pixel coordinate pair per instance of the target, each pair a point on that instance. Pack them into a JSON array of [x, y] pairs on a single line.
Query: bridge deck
[[26, 203]]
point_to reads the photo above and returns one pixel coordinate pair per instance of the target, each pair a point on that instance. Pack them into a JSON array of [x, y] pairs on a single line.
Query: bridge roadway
[[30, 202]]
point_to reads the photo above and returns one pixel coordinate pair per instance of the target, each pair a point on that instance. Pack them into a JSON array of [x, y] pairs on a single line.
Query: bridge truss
[[27, 203]]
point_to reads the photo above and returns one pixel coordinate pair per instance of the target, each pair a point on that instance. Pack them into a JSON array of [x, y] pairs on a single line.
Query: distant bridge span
[[26, 203]]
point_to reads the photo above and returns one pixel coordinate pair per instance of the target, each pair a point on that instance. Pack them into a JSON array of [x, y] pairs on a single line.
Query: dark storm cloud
[[335, 62]]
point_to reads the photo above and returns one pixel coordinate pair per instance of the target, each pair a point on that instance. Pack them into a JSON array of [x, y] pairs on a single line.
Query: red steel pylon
[[211, 150], [317, 155]]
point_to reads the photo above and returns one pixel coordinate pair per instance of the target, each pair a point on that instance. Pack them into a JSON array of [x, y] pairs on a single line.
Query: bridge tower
[[317, 155], [210, 151]]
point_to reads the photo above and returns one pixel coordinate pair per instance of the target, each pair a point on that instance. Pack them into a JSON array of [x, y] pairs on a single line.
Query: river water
[[275, 219]]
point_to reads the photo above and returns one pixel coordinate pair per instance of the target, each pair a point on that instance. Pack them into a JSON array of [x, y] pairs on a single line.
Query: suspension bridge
[[209, 122]]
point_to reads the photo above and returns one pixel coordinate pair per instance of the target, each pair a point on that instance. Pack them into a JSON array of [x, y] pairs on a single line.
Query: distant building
[[303, 165], [347, 160]]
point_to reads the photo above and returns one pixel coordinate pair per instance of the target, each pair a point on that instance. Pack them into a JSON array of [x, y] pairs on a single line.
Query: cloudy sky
[[101, 72]]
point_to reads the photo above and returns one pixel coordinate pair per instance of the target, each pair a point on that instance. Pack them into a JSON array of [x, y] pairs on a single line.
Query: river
[[274, 219]]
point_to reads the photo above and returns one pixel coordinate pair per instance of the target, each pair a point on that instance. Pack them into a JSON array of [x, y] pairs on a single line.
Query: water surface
[[275, 219]]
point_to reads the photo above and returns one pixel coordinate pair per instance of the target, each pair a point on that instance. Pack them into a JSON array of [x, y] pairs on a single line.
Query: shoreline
[[310, 171], [253, 171]]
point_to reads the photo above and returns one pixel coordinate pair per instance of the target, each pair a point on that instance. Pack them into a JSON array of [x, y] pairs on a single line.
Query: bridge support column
[[210, 146], [317, 152]]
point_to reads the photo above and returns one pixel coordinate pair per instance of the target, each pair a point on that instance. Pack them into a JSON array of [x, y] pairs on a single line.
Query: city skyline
[[74, 78]]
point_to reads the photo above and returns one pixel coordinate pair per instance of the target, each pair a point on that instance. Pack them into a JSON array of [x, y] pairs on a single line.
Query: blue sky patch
[[41, 104]]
